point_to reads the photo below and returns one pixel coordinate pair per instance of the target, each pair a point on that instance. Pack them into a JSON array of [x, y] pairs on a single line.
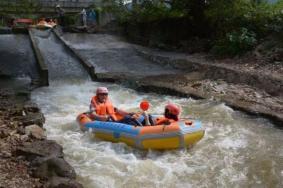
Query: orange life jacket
[[163, 120], [103, 109]]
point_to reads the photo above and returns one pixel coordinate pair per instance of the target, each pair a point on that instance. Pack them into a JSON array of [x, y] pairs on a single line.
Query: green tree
[[20, 8], [234, 26]]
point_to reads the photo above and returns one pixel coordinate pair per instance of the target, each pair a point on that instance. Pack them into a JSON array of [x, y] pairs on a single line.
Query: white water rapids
[[237, 150]]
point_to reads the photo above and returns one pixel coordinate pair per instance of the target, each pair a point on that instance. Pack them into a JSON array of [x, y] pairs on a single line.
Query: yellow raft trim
[[110, 137], [156, 143], [161, 143], [192, 138]]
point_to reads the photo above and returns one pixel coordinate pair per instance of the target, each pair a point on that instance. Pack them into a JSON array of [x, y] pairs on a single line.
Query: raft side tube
[[160, 137], [114, 127]]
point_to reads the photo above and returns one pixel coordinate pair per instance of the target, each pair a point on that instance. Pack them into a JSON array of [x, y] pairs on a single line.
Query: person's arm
[[120, 112], [162, 121]]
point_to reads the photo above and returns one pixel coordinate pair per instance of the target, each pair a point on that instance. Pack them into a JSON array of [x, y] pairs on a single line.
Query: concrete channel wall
[[87, 65], [42, 67]]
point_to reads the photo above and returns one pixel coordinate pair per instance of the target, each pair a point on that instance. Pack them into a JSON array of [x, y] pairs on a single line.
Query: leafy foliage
[[235, 43], [275, 26], [232, 26], [22, 8], [239, 13]]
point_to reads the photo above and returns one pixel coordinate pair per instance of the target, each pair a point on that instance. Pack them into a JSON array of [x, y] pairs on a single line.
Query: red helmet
[[101, 90], [173, 109]]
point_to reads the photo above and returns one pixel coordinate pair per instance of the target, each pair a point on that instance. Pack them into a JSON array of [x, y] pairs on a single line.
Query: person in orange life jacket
[[101, 107], [171, 114]]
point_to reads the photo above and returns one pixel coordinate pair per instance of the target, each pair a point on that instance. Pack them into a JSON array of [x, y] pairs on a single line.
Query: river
[[237, 150]]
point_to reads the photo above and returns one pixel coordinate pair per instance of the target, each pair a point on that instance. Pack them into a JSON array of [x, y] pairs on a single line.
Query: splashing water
[[237, 151]]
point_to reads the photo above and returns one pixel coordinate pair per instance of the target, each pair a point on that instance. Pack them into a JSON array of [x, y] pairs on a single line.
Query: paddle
[[144, 106]]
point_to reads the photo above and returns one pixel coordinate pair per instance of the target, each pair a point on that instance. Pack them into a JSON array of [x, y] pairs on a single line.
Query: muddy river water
[[237, 150]]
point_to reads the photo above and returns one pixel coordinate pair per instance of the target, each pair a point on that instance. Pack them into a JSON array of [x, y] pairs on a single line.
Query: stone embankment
[[27, 158], [253, 87], [255, 90], [250, 86]]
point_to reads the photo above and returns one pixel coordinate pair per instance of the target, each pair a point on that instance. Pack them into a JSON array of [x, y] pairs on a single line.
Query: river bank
[[27, 158], [247, 84]]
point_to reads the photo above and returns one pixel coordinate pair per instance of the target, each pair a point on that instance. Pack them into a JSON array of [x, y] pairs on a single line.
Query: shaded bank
[[27, 159]]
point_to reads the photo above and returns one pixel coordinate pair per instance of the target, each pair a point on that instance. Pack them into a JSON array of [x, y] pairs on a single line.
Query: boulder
[[40, 148], [59, 182], [35, 131], [48, 167], [31, 118], [31, 107]]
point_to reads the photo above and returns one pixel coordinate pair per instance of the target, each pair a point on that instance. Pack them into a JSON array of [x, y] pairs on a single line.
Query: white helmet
[[101, 90]]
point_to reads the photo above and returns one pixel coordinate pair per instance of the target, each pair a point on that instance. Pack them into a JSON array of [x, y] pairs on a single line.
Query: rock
[[4, 133], [32, 118], [17, 136], [24, 138], [17, 111], [21, 130], [5, 154], [35, 131], [59, 182], [13, 132], [196, 85], [40, 148], [31, 107], [47, 167]]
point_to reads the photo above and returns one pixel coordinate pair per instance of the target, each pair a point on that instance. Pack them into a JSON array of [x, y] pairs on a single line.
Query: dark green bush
[[23, 8], [232, 26], [71, 19], [235, 43], [275, 26]]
